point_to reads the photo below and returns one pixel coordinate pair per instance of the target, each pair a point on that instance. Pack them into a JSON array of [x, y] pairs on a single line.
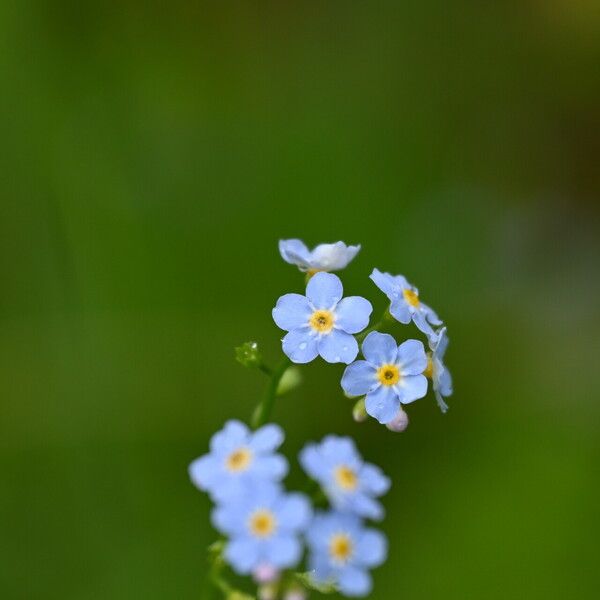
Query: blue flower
[[391, 375], [342, 551], [239, 458], [405, 302], [325, 257], [350, 484], [263, 526], [321, 322], [440, 376]]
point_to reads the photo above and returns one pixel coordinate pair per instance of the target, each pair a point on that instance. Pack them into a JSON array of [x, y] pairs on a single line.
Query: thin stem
[[264, 409], [265, 369]]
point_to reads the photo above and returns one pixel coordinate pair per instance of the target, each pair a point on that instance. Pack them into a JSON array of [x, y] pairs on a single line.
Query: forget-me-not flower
[[321, 323], [325, 257], [390, 376], [238, 458], [350, 484], [437, 371], [263, 525], [342, 551], [405, 304]]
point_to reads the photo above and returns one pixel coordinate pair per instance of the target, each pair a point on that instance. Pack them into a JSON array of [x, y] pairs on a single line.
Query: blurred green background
[[152, 155]]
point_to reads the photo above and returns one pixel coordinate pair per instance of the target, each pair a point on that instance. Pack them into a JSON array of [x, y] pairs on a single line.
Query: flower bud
[[399, 422], [292, 378], [248, 355], [237, 595], [265, 573], [267, 592], [359, 412], [296, 593]]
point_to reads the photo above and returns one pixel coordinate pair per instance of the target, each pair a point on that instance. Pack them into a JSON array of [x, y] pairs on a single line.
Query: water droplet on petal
[[303, 346]]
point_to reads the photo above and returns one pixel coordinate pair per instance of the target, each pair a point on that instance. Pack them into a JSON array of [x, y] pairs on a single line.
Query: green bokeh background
[[152, 155]]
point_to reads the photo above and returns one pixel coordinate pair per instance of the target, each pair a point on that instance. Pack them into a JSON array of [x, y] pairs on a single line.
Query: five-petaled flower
[[325, 257], [342, 551], [350, 484], [438, 372], [321, 323], [405, 304], [263, 525], [239, 458], [390, 376]]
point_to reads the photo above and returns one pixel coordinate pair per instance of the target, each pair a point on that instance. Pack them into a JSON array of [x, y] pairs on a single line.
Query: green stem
[[263, 410]]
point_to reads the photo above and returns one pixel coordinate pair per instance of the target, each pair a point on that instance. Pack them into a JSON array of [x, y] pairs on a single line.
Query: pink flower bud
[[399, 422], [265, 573]]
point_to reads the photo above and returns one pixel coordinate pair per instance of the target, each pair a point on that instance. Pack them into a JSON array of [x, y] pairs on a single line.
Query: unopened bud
[[359, 412], [399, 422], [248, 354], [265, 573], [291, 378], [267, 592], [296, 593], [237, 595]]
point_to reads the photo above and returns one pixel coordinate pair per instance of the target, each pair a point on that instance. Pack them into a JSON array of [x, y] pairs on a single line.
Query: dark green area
[[152, 155]]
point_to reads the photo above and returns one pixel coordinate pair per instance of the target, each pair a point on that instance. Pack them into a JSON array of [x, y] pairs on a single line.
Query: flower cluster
[[270, 533], [242, 473], [323, 323], [342, 549]]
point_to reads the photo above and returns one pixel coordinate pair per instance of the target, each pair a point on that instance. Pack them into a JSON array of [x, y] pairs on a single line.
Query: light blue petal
[[373, 480], [324, 290], [354, 582], [431, 315], [380, 348], [366, 507], [272, 468], [411, 388], [294, 252], [338, 450], [382, 404], [312, 462], [300, 346], [319, 566], [371, 548], [420, 320], [352, 314], [242, 554], [338, 347], [442, 343], [359, 378], [267, 439], [400, 310], [233, 435], [228, 519], [283, 551], [445, 383], [291, 312], [293, 512], [332, 257], [204, 472], [384, 281], [411, 359]]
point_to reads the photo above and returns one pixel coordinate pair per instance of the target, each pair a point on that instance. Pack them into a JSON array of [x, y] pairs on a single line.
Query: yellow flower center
[[340, 547], [411, 297], [428, 372], [388, 374], [346, 478], [239, 460], [262, 523], [322, 321]]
